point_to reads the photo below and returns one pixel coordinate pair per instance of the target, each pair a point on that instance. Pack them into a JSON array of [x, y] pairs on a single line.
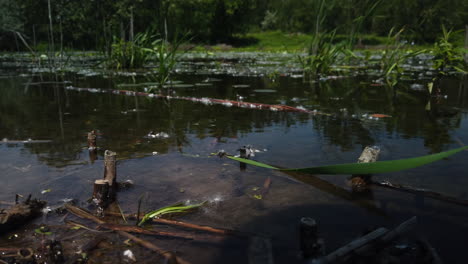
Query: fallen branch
[[166, 254], [227, 103], [218, 231], [139, 230], [19, 214], [368, 244]]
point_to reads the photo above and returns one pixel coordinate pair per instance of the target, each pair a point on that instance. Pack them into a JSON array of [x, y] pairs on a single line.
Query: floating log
[[360, 183], [19, 214], [227, 103]]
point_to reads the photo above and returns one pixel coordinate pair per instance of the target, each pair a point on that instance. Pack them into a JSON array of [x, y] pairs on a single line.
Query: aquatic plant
[[166, 59], [322, 55], [446, 56], [393, 56], [363, 168], [132, 54], [170, 209]]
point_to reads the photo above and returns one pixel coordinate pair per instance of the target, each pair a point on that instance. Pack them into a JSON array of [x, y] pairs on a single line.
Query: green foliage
[[171, 209], [364, 168], [393, 56], [10, 17], [323, 55], [446, 55], [166, 58], [91, 24], [132, 54]]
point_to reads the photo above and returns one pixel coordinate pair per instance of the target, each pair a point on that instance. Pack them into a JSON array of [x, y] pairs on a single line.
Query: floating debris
[[151, 134], [241, 86], [129, 254], [264, 91], [380, 115]]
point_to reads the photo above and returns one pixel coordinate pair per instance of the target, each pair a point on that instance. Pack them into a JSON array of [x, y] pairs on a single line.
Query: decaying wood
[[85, 249], [92, 140], [139, 230], [368, 244], [432, 252], [169, 256], [430, 194], [360, 183], [6, 203], [218, 231], [310, 244], [110, 172], [354, 245], [19, 214], [101, 192], [85, 214], [105, 189]]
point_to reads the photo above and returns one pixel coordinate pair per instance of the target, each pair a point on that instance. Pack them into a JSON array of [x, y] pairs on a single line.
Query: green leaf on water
[[364, 168], [42, 231], [252, 162], [257, 196], [171, 209]]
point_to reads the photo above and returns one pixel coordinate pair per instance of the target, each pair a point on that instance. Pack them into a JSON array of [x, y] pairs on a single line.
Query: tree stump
[[311, 245], [106, 188]]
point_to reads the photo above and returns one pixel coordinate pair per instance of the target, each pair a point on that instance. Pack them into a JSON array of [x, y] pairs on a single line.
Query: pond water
[[180, 167]]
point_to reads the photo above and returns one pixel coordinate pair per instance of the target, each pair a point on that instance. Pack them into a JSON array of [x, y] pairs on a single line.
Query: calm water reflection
[[183, 168]]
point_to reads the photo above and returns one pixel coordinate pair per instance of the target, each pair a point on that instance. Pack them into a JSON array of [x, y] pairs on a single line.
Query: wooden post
[[92, 146], [243, 154], [106, 188], [311, 245], [110, 172], [360, 183], [92, 140]]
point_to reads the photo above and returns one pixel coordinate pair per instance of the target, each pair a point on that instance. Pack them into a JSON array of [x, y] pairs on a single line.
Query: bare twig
[[85, 214]]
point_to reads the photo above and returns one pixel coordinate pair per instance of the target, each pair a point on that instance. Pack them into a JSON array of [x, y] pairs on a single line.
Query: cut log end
[[360, 183]]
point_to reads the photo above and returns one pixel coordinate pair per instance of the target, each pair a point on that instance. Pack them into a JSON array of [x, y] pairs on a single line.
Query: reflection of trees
[[48, 112]]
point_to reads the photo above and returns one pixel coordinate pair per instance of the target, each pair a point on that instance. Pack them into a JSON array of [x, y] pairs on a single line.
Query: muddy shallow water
[[39, 106]]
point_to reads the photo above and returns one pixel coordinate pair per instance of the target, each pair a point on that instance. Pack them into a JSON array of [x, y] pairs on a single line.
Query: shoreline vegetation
[[276, 42]]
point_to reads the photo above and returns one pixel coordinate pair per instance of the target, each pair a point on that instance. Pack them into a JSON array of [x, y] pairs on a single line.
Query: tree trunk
[[130, 32], [51, 36]]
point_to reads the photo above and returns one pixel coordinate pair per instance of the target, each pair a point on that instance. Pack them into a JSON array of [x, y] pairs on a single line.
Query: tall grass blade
[[364, 168]]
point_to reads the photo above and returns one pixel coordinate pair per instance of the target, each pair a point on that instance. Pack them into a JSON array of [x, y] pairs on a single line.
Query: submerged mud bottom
[[73, 235]]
